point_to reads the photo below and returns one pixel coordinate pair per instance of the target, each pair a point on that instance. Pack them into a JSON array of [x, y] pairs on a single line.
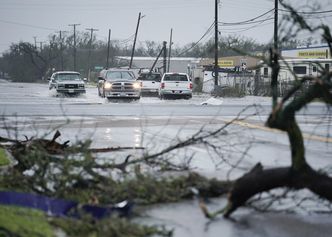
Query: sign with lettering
[[313, 54], [226, 63]]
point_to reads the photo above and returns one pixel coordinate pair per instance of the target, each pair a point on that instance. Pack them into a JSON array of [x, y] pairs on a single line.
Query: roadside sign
[[226, 63], [99, 67]]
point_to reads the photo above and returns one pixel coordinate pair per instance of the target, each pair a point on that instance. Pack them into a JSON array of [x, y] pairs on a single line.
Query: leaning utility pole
[[74, 25], [134, 44], [163, 50], [165, 56], [90, 47], [216, 66], [169, 50], [108, 48]]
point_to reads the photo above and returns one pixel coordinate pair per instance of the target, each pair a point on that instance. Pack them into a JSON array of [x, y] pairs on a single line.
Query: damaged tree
[[300, 175]]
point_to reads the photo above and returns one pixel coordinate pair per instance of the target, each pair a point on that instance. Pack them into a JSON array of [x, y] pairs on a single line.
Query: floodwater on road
[[187, 220], [33, 110]]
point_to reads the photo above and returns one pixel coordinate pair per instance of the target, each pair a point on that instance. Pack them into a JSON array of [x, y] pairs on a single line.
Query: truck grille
[[71, 86], [122, 86]]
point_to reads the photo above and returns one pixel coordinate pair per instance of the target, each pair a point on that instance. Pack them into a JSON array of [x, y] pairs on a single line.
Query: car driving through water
[[67, 82], [118, 83]]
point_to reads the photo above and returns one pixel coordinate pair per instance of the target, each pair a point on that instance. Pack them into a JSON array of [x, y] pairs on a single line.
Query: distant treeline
[[27, 62]]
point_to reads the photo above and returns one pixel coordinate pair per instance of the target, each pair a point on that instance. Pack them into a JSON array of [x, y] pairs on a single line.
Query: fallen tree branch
[[258, 180], [110, 149]]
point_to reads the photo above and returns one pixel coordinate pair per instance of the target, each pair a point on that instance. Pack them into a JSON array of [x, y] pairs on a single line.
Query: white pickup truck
[[67, 82], [175, 85]]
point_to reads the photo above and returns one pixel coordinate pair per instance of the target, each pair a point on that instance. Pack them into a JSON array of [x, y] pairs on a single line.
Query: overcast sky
[[21, 20]]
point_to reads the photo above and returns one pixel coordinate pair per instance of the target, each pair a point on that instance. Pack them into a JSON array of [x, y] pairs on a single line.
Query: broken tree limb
[[110, 149], [259, 180]]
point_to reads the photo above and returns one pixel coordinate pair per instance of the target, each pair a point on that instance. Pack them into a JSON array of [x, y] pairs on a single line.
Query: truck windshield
[[65, 77], [113, 75]]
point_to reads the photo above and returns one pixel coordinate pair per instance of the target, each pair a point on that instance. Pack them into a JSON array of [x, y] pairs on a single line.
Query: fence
[[242, 84]]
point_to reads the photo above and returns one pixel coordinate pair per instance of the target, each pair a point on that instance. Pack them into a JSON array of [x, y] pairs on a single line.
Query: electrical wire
[[28, 25], [247, 23], [245, 29], [105, 6], [197, 42], [127, 40], [250, 21]]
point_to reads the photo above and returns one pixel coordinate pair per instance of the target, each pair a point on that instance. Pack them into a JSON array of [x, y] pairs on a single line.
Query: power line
[[125, 41], [246, 29], [250, 21], [197, 42], [247, 23], [253, 20], [28, 25], [107, 6]]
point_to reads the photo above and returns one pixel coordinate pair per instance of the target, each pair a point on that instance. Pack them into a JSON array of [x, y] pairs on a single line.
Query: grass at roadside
[[27, 222], [3, 158], [24, 222]]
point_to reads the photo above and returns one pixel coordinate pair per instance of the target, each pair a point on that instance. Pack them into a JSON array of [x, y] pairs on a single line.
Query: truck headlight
[[108, 85], [137, 85]]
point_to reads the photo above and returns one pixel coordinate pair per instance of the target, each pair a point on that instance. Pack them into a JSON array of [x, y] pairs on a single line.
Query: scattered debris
[[61, 207], [212, 101]]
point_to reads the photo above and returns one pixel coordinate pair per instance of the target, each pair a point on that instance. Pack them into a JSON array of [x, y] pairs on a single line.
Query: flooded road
[[33, 110], [187, 221]]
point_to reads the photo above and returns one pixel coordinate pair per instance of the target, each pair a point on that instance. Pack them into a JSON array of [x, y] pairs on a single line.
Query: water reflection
[[138, 137], [108, 134], [120, 136]]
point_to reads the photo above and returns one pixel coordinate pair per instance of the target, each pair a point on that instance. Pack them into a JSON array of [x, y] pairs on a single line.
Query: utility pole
[[275, 35], [134, 44], [216, 66], [108, 48], [163, 50], [61, 47], [275, 57], [51, 46], [40, 45], [35, 39], [74, 25], [165, 56], [169, 50], [90, 47]]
